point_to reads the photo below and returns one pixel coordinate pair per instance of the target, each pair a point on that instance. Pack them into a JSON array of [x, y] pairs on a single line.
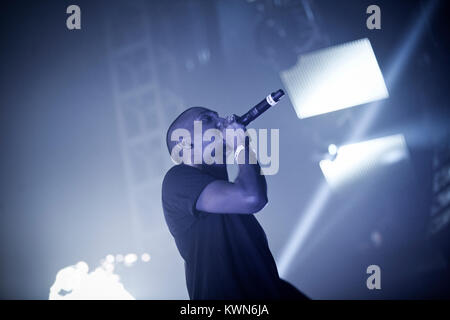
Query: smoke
[[77, 283]]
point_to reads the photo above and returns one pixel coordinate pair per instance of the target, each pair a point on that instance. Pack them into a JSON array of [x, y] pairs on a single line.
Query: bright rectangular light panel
[[354, 161], [334, 78]]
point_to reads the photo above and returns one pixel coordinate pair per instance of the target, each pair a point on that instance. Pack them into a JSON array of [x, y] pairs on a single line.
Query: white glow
[[82, 267], [334, 78], [376, 238], [145, 257], [358, 159], [130, 259], [75, 283], [110, 258], [332, 149], [302, 229], [400, 60], [119, 258]]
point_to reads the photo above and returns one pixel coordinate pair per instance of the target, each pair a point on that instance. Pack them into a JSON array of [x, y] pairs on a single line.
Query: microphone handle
[[261, 107]]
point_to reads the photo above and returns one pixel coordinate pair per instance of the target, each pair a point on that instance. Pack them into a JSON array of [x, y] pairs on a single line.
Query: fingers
[[233, 124]]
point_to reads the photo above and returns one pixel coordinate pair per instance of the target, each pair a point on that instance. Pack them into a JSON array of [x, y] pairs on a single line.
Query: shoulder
[[181, 175], [185, 179], [182, 186], [178, 172]]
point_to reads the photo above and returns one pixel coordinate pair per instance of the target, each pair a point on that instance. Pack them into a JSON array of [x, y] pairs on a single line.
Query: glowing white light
[[332, 149], [377, 238], [357, 159], [145, 257], [400, 60], [130, 259], [334, 78], [75, 283], [110, 258], [302, 229], [82, 267], [109, 267]]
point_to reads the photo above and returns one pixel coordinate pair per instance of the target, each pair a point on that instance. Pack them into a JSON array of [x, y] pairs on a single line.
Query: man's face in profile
[[211, 120], [201, 134]]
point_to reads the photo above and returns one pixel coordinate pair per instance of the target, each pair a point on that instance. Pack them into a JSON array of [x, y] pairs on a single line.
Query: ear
[[186, 145]]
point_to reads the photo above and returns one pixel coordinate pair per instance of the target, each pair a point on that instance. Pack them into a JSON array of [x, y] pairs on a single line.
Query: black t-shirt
[[226, 255]]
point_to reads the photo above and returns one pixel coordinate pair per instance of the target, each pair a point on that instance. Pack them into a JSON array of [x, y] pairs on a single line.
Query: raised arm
[[246, 195]]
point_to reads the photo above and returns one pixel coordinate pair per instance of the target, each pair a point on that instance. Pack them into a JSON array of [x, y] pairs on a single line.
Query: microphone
[[271, 100]]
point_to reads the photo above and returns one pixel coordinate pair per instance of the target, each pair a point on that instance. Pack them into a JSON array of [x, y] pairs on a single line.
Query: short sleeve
[[181, 188]]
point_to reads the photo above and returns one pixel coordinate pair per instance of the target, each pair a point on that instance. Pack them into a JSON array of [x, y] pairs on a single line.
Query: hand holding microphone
[[236, 122], [239, 140], [239, 132], [271, 100]]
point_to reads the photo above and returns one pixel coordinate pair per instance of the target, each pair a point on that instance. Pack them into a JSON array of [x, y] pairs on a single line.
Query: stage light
[[332, 149], [302, 229], [145, 257], [75, 283], [334, 78], [110, 258], [130, 259], [306, 222], [82, 267], [358, 159], [376, 238]]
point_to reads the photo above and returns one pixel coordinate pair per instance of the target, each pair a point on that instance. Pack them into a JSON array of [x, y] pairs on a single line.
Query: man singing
[[212, 220]]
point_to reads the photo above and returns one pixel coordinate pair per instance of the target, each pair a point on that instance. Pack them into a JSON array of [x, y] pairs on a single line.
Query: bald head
[[184, 121]]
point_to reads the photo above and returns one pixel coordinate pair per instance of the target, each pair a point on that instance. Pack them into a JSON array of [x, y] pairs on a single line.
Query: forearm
[[250, 178]]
